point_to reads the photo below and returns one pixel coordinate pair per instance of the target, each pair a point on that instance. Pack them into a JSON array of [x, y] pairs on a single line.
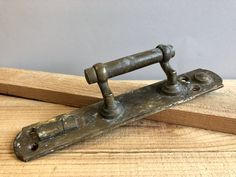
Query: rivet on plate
[[202, 77]]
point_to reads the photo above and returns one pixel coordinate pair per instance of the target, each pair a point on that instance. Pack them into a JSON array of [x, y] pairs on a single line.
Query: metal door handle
[[42, 138], [101, 72]]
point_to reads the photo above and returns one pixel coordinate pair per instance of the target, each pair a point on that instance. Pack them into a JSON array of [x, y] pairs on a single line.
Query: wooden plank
[[144, 148], [125, 164], [214, 111]]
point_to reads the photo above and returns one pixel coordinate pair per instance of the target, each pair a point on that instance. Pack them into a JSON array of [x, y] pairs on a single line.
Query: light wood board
[[214, 111], [144, 148]]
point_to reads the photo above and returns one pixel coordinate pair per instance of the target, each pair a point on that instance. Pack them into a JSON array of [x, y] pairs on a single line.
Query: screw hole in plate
[[184, 79], [33, 147], [195, 88]]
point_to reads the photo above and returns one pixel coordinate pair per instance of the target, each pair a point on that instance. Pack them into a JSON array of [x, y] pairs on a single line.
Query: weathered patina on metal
[[46, 137]]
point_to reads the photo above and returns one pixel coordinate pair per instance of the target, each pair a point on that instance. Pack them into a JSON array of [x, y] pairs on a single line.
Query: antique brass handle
[[42, 138], [101, 72]]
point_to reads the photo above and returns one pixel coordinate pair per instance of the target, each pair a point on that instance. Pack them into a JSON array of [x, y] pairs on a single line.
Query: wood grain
[[144, 148], [214, 111]]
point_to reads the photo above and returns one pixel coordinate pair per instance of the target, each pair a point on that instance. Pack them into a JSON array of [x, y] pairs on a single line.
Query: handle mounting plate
[[64, 130]]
